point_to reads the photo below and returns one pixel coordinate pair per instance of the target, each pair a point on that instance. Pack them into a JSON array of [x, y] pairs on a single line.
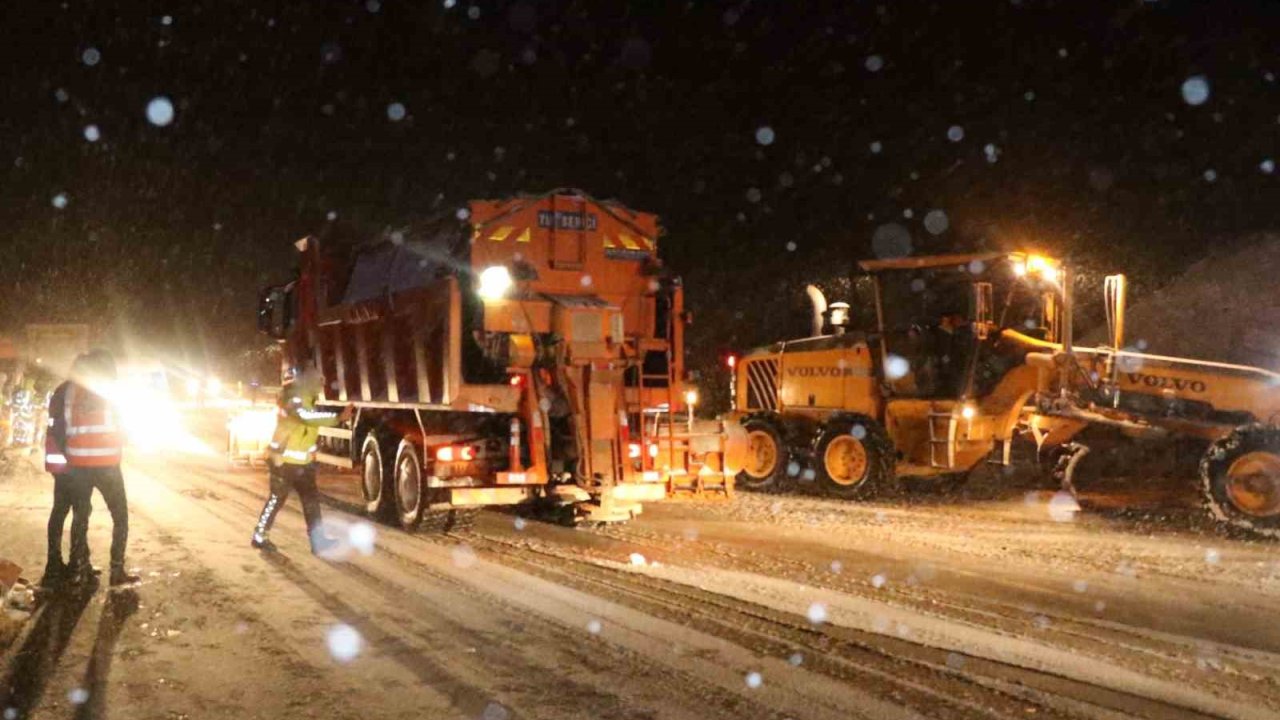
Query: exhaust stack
[[819, 303]]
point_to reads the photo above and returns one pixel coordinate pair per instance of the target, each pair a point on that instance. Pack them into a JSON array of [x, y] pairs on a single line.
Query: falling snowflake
[[817, 613], [594, 627], [796, 660], [637, 559], [344, 643], [874, 63], [896, 367], [908, 213], [754, 680], [1080, 586], [1212, 556], [91, 133], [836, 566], [1063, 507], [78, 696], [90, 56], [1210, 175], [1267, 166], [753, 195], [519, 524], [463, 556], [363, 537], [473, 12], [977, 267], [395, 112], [891, 240], [858, 431], [877, 581], [955, 133], [60, 200], [167, 20], [876, 147], [764, 135], [791, 246], [160, 111], [1195, 90], [936, 222], [992, 152], [61, 95], [331, 216], [955, 661], [1029, 96]]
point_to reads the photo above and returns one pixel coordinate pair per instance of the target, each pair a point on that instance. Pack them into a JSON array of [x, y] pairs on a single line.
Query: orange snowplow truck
[[527, 350]]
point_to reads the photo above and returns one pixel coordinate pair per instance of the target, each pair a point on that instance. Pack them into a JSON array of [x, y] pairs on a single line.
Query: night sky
[[773, 138]]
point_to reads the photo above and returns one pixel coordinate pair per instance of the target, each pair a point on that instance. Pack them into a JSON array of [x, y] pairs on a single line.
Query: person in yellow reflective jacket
[[291, 459]]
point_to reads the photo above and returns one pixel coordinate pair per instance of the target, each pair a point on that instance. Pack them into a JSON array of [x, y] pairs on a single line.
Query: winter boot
[[120, 578]]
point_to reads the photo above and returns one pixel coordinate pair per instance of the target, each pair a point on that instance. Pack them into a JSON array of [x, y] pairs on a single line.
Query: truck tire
[[373, 480], [854, 459], [410, 486], [1240, 479], [767, 457], [453, 520]]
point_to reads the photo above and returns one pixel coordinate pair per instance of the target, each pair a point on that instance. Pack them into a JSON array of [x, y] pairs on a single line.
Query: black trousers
[[285, 478], [110, 482], [70, 494]]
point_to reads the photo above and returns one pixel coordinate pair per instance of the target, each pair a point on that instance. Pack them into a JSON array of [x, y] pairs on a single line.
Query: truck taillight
[[458, 453], [517, 380], [633, 450], [731, 361]]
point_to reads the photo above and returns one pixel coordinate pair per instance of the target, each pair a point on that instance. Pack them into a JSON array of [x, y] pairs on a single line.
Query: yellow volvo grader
[[952, 357]]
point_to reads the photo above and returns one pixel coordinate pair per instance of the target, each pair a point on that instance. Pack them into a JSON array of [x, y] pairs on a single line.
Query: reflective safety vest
[[94, 438], [297, 431]]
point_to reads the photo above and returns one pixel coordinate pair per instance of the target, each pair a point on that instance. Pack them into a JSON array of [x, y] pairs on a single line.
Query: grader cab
[[925, 378]]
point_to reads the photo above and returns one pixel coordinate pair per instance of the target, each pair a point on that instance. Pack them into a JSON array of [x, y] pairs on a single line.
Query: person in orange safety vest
[[86, 430]]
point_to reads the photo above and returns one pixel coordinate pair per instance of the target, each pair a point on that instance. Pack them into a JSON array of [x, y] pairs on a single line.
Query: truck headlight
[[495, 281]]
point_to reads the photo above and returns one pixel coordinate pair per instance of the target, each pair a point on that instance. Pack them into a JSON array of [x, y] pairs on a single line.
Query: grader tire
[[765, 468], [1240, 479], [855, 459]]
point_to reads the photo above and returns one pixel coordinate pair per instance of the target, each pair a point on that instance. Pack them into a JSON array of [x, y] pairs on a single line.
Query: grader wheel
[[1240, 477], [765, 462], [855, 458]]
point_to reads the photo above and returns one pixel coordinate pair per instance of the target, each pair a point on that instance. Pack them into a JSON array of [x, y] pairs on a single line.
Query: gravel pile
[[1225, 308]]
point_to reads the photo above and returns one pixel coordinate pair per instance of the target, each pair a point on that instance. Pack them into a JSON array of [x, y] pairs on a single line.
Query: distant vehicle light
[[1050, 274], [193, 387], [444, 454], [968, 412], [1019, 269], [731, 361], [691, 397], [633, 450], [653, 450], [495, 282], [213, 386]]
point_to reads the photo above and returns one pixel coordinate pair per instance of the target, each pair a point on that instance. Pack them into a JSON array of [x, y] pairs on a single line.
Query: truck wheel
[[767, 456], [854, 458], [373, 481], [1240, 477], [410, 485]]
